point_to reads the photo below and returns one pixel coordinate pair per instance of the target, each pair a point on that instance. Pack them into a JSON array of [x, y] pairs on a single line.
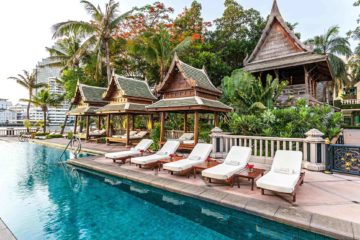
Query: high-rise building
[[6, 115], [46, 73]]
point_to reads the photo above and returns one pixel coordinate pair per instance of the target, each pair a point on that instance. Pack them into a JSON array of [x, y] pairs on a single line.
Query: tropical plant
[[334, 46], [157, 48], [28, 81], [98, 32], [246, 93], [44, 99]]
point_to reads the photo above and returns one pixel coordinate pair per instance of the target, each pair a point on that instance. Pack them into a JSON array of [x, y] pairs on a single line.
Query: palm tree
[[44, 99], [158, 49], [333, 45], [28, 81], [66, 52], [98, 32]]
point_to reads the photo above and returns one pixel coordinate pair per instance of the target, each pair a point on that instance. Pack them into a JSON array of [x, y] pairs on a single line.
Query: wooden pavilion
[[187, 90], [127, 97], [87, 100], [281, 54]]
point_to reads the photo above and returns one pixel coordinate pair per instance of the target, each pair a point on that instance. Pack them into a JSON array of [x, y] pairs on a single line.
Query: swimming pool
[[39, 199]]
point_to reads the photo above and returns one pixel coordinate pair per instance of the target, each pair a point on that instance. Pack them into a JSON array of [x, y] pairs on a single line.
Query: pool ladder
[[75, 145]]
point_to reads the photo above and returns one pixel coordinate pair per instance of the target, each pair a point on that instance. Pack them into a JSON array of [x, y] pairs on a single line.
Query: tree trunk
[[107, 53], [44, 122], [65, 121]]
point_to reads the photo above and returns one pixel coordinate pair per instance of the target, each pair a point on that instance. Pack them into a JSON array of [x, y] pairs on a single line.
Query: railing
[[264, 148], [350, 101], [344, 158], [14, 132]]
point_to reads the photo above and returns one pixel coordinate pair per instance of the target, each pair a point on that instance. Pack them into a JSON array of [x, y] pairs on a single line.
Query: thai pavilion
[[187, 90], [281, 54], [87, 100], [127, 98]]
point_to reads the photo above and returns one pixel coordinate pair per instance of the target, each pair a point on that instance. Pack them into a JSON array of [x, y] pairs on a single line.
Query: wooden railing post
[[316, 151]]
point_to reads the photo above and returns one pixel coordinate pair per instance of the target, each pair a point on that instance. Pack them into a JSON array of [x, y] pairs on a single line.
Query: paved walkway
[[5, 233]]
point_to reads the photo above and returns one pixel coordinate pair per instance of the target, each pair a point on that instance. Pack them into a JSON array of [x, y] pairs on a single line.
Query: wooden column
[[99, 122], [128, 129], [306, 74], [185, 122], [87, 127], [133, 122], [196, 127], [108, 131], [216, 119], [75, 124], [162, 126]]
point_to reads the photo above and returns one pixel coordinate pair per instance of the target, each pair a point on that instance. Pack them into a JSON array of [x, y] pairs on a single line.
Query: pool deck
[[326, 203], [5, 233]]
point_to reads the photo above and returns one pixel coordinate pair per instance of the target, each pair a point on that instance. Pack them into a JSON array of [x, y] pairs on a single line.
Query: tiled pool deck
[[327, 204]]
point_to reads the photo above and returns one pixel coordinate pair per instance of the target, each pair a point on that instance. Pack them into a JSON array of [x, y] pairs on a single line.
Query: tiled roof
[[91, 93], [188, 102], [122, 107], [82, 111], [134, 88], [283, 62], [198, 75]]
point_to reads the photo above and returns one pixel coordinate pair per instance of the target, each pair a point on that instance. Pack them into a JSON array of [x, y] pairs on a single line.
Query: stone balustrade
[[264, 148]]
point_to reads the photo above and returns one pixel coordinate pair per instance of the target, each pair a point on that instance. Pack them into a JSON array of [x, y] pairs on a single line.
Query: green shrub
[[70, 135], [41, 134], [50, 136], [155, 136]]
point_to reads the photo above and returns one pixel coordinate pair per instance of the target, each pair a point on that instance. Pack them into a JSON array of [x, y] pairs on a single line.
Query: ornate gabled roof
[[189, 103], [89, 94], [130, 88], [196, 77], [276, 40]]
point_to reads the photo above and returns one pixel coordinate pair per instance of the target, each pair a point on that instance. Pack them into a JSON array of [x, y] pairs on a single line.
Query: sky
[[26, 26]]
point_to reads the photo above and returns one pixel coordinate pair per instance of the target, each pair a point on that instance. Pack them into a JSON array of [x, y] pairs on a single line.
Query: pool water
[[41, 199]]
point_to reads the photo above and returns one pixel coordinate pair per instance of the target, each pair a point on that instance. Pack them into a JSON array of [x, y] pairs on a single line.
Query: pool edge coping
[[298, 218], [4, 229]]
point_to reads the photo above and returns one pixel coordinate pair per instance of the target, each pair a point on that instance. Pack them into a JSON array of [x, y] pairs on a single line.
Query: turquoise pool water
[[39, 199]]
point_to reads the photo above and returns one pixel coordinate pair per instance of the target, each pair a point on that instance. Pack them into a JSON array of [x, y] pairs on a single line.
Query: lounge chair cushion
[[163, 154], [201, 152], [143, 145], [278, 182], [186, 136], [188, 142], [149, 159], [221, 171], [235, 161], [123, 154], [287, 161]]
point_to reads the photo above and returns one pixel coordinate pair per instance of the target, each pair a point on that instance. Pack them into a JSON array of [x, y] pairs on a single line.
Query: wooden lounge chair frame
[[293, 194]]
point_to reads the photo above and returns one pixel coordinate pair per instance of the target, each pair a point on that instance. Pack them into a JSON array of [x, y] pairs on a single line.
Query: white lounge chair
[[197, 156], [285, 175], [164, 153], [235, 161], [138, 150]]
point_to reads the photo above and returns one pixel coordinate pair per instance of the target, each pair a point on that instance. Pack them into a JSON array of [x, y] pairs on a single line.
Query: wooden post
[[108, 131], [99, 122], [196, 127], [87, 127], [128, 129], [75, 124], [162, 126], [133, 122], [216, 119], [306, 74], [185, 122], [151, 121]]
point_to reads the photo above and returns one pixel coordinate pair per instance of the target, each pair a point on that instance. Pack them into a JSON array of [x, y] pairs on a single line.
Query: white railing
[[350, 101], [14, 132], [264, 148]]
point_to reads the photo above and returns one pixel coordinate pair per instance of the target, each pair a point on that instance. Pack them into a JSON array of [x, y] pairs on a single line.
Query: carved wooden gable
[[177, 85], [277, 43]]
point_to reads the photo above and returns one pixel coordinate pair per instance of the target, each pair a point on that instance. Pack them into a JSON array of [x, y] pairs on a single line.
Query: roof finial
[[176, 56], [275, 9]]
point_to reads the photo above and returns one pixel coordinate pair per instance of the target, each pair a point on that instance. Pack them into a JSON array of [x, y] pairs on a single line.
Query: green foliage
[[50, 136], [247, 94], [288, 122], [27, 123], [155, 136], [70, 135]]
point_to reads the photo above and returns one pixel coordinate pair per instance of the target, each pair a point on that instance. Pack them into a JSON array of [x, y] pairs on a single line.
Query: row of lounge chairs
[[284, 177]]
